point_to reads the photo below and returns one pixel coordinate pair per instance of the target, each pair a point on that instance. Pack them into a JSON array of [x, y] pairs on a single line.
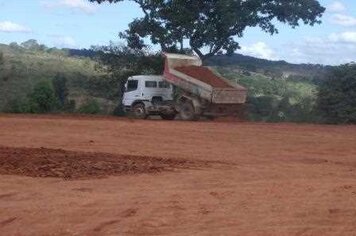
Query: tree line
[[335, 100]]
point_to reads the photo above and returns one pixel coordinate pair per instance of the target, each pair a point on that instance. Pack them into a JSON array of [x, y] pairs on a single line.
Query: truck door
[[132, 92]]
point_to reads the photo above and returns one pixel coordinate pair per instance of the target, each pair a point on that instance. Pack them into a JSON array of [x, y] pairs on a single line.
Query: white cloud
[[11, 27], [334, 49], [344, 37], [259, 50], [343, 20], [63, 41], [336, 7], [78, 5]]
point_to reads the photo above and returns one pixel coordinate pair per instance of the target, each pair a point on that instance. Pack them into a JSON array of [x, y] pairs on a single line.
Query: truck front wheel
[[139, 111], [187, 111]]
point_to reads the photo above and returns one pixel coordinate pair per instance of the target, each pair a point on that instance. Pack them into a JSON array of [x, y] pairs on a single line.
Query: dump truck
[[198, 92]]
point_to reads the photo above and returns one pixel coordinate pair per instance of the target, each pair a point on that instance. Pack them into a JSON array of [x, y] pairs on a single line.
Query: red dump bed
[[187, 73], [205, 75]]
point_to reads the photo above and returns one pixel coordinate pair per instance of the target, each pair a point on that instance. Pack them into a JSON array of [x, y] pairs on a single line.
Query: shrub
[[17, 105], [119, 110], [275, 109], [43, 99], [91, 106], [262, 108]]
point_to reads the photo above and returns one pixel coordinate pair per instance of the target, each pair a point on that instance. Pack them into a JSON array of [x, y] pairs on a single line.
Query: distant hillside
[[274, 69], [246, 64], [22, 68]]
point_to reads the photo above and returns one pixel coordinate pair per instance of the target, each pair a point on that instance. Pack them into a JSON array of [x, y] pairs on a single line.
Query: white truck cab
[[149, 95]]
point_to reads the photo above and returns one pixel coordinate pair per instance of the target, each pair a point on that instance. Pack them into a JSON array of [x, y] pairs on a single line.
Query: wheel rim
[[139, 111]]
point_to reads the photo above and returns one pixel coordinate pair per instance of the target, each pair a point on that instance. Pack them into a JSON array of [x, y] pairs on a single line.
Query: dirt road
[[175, 178]]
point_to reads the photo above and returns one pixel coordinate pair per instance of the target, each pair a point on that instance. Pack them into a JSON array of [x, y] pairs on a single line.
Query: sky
[[80, 24]]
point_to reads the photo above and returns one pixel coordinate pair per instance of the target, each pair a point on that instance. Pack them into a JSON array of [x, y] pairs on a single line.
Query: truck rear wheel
[[139, 111], [187, 111]]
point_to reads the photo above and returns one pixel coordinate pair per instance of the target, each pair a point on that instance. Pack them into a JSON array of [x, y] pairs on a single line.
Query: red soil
[[240, 178], [205, 75], [43, 162]]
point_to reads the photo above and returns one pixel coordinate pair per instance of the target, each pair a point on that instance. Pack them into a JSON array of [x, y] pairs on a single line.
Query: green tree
[[32, 44], [14, 45], [337, 95], [208, 26], [60, 88], [122, 61], [43, 98]]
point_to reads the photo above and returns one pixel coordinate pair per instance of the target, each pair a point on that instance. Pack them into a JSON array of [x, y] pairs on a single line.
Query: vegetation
[[43, 98], [337, 95], [90, 106], [275, 99], [60, 88], [212, 25], [37, 79], [73, 79]]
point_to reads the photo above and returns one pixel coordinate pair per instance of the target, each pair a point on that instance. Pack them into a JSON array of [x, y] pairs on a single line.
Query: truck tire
[[168, 116], [187, 111], [139, 111]]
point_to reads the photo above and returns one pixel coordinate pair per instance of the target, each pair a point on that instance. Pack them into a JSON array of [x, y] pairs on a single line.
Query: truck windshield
[[131, 85]]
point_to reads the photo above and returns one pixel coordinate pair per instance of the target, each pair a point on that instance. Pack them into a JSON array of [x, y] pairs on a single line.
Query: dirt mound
[[205, 75], [42, 162]]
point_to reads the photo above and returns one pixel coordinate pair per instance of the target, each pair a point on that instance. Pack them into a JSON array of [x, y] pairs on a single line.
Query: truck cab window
[[150, 84], [132, 85], [163, 84]]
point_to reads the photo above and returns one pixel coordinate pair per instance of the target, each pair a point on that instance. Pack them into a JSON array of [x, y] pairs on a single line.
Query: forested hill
[[274, 69], [23, 66]]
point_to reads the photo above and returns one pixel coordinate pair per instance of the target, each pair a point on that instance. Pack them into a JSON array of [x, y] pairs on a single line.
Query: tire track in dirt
[[8, 221]]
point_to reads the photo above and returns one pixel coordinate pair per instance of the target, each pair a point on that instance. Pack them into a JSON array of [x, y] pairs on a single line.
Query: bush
[[275, 109], [43, 99], [263, 108], [17, 106], [337, 95], [90, 107], [119, 110]]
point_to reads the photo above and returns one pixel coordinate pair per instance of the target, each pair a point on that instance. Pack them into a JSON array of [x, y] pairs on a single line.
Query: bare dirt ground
[[63, 175]]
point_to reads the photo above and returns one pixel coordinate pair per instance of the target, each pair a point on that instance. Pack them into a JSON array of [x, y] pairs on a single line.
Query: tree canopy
[[337, 95], [210, 26], [32, 44], [122, 62]]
